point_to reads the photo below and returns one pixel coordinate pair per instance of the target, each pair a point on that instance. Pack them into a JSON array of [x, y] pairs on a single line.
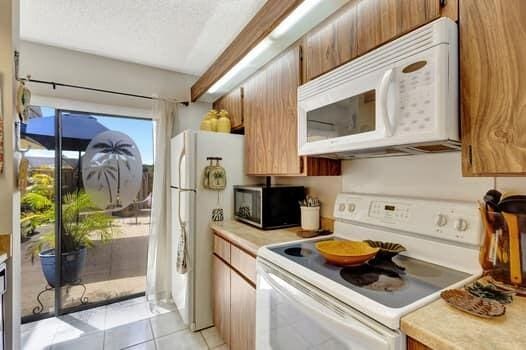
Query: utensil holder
[[503, 248], [310, 218]]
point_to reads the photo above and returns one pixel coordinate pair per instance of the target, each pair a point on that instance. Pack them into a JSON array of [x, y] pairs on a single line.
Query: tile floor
[[126, 325]]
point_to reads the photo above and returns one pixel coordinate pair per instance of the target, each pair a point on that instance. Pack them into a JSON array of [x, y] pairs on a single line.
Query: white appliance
[[193, 205], [305, 303], [399, 99]]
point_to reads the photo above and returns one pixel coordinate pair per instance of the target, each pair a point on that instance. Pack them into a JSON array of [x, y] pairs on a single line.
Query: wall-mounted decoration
[[23, 100], [214, 175], [112, 170]]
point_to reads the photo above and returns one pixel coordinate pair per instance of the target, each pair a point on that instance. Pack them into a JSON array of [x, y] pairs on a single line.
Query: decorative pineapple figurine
[[212, 116], [209, 123], [223, 123]]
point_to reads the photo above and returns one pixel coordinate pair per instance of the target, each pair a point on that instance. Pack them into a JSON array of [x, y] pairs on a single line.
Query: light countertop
[[3, 257], [440, 326], [250, 238]]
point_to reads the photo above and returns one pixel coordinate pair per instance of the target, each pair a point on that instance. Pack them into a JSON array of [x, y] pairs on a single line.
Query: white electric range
[[305, 303]]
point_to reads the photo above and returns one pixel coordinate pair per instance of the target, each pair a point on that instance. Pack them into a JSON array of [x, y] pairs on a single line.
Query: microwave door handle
[[305, 302], [383, 92]]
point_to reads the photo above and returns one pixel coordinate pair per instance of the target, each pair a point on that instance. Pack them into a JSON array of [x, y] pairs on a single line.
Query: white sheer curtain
[[158, 274]]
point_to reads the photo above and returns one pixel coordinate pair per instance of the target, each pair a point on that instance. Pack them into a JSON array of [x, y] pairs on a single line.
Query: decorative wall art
[[112, 170]]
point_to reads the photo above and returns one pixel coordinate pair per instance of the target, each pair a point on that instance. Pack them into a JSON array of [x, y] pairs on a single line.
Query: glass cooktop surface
[[394, 283]]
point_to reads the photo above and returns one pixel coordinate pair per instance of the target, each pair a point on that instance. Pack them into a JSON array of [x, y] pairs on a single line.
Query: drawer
[[244, 263], [222, 248]]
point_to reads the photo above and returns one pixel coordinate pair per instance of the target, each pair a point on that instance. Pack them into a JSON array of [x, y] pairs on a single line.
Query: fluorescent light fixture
[[293, 18], [245, 62]]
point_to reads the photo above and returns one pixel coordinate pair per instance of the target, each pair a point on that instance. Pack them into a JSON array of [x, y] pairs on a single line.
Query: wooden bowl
[[346, 253]]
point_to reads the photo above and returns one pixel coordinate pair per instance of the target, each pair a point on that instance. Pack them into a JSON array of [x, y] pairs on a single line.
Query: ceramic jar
[[209, 123], [310, 218], [223, 123]]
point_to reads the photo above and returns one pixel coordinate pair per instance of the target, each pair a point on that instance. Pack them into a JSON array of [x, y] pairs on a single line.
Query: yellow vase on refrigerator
[[223, 123], [209, 123]]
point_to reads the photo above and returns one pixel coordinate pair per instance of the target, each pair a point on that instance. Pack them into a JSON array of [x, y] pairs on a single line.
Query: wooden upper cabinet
[[493, 86], [271, 122], [270, 100], [361, 26], [233, 103], [331, 43]]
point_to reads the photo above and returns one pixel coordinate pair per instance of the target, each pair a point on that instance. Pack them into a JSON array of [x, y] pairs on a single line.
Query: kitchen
[[399, 117]]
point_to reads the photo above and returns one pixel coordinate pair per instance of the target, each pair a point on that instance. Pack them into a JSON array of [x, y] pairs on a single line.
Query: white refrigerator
[[192, 204]]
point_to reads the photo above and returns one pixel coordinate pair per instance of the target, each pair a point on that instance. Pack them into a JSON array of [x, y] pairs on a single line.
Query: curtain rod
[[55, 84]]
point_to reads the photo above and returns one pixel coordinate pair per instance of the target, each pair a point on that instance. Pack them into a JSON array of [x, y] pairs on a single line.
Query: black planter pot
[[72, 265]]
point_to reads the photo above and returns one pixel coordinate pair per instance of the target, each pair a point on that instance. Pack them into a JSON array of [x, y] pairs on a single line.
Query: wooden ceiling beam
[[262, 24]]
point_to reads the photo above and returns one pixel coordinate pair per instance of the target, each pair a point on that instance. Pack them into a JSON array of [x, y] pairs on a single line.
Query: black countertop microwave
[[268, 207]]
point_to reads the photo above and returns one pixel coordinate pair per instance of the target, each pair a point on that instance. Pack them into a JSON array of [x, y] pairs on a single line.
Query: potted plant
[[37, 205], [82, 222]]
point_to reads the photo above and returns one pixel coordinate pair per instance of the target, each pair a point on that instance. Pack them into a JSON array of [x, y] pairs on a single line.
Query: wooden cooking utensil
[[515, 250], [484, 256]]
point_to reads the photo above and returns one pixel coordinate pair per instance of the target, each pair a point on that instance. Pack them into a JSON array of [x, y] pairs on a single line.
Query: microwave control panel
[[416, 78]]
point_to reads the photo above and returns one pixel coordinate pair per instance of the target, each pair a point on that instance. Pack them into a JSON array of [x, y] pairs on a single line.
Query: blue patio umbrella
[[77, 131]]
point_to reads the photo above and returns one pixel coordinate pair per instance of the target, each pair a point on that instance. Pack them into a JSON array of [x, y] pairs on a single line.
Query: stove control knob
[[351, 207], [341, 207], [460, 225], [440, 220]]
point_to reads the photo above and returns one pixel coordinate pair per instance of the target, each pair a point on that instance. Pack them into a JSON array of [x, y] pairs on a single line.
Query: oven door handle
[[383, 92], [352, 326]]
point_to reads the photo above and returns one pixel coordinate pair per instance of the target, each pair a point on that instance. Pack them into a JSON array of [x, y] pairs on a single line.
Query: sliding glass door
[[93, 247]]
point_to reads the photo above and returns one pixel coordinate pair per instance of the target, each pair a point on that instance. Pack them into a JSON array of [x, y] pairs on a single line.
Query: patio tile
[[166, 323], [94, 341], [183, 340], [112, 270], [128, 335], [212, 337]]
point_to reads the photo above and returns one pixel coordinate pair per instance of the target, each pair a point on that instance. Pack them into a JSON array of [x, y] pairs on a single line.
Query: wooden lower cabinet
[[413, 344], [221, 297], [242, 313], [234, 296]]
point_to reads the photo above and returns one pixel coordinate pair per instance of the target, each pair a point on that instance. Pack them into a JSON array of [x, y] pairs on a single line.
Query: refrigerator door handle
[[181, 156], [184, 189]]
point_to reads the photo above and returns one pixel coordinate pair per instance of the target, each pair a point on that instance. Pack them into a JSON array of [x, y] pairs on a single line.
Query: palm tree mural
[[119, 151], [103, 168]]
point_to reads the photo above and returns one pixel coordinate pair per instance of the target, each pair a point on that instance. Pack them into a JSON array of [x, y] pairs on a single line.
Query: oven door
[[349, 116], [292, 314]]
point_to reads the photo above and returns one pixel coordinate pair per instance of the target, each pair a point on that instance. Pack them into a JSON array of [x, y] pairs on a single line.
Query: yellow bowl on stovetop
[[346, 253]]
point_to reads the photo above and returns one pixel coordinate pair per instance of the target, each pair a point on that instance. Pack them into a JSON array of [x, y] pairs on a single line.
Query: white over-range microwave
[[399, 99]]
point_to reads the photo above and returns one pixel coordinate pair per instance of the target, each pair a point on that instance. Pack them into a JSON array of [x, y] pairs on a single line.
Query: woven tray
[[473, 305]]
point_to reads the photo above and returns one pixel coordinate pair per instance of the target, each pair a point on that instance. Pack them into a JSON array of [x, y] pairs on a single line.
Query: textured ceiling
[[180, 35]]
